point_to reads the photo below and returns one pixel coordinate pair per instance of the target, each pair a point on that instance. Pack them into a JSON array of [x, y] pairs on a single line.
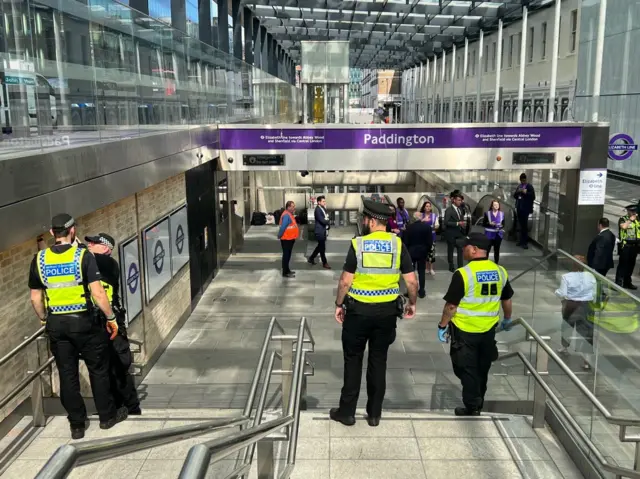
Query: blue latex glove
[[505, 325], [443, 334]]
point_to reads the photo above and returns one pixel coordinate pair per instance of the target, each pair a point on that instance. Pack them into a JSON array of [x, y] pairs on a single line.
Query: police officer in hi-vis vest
[[63, 280], [368, 304], [469, 320], [629, 226]]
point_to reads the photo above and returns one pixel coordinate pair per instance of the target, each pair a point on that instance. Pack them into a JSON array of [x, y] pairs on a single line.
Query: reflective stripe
[[482, 300], [71, 308], [69, 284], [381, 292], [478, 314], [360, 254]]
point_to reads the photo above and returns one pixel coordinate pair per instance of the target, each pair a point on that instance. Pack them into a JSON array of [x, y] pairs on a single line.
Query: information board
[[131, 280], [593, 186], [179, 239], [157, 256]]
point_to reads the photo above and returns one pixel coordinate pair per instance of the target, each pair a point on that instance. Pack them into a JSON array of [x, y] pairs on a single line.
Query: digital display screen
[[534, 158]]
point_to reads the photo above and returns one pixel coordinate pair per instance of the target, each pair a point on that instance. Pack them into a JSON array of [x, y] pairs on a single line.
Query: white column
[[453, 82], [444, 69], [627, 50], [479, 73], [463, 113], [421, 94], [305, 104], [523, 62], [414, 95], [554, 63], [433, 96], [496, 102], [597, 74], [66, 116], [426, 94]]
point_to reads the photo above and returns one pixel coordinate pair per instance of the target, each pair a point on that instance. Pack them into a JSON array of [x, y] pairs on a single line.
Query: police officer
[[469, 319], [368, 304], [122, 385], [629, 226], [63, 279]]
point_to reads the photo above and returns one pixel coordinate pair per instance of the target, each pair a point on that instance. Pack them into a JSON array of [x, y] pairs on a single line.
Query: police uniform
[[477, 291], [63, 272], [376, 260], [122, 384], [629, 247]]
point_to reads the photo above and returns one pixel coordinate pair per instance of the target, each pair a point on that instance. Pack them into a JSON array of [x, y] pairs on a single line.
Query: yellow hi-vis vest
[[61, 274], [631, 234], [615, 311], [377, 279], [479, 310]]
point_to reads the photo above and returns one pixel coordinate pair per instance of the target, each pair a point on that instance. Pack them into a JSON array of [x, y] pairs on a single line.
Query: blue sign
[[133, 278], [158, 256], [377, 246], [65, 269], [621, 147], [487, 277]]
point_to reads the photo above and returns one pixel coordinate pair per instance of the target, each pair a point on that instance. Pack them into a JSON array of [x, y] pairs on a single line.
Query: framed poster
[[130, 278], [157, 256], [179, 239]]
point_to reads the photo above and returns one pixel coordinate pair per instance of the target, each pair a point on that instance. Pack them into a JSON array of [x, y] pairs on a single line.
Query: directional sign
[[593, 186], [157, 255], [131, 280], [179, 239]]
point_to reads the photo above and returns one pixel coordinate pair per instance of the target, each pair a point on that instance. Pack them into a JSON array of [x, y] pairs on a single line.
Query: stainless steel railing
[[542, 391]]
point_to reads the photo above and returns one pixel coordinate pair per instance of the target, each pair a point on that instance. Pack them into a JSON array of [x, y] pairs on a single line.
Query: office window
[[472, 64], [530, 46], [518, 42], [493, 56], [458, 67], [574, 31], [510, 54], [502, 62], [543, 54], [486, 58]]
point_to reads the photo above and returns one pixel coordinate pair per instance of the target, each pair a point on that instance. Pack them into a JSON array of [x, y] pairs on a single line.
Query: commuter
[[494, 228], [524, 195], [320, 229], [427, 215], [62, 280], [288, 234], [577, 289], [402, 215], [368, 304], [600, 253], [469, 319], [392, 225], [123, 387], [629, 244], [418, 239], [455, 227]]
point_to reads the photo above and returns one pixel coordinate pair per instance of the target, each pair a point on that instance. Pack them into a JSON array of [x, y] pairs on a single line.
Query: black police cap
[[479, 240], [62, 222], [102, 238], [632, 208], [377, 210]]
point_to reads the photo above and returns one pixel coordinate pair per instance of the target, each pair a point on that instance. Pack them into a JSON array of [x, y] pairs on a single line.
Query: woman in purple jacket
[[494, 228], [427, 215]]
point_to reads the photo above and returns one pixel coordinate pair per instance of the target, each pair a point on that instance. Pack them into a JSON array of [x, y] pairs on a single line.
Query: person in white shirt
[[576, 290]]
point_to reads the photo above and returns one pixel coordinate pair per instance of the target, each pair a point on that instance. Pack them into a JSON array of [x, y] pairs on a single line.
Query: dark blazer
[[321, 224], [418, 239], [600, 254], [451, 219], [524, 203]]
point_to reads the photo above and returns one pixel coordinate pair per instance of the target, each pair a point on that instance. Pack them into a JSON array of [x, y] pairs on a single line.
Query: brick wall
[[122, 220]]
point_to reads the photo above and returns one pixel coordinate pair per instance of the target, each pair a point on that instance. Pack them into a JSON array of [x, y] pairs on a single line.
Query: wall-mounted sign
[[130, 278], [263, 160], [179, 239], [621, 147], [534, 158], [157, 256], [593, 185]]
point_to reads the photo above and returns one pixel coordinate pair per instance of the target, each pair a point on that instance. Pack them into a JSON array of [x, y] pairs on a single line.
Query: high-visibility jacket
[[479, 310], [61, 275], [632, 234], [291, 232], [377, 278], [614, 311]]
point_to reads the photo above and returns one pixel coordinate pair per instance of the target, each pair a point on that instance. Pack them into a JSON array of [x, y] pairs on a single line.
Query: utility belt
[[397, 304]]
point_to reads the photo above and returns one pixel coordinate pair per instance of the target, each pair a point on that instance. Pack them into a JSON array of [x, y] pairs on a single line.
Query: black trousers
[[575, 315], [451, 245], [366, 324], [123, 386], [320, 250], [626, 264], [421, 266], [602, 271], [523, 222], [471, 357], [287, 249], [495, 244], [70, 337]]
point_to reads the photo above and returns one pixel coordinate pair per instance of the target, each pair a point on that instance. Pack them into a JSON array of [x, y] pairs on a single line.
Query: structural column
[[523, 61], [205, 29], [479, 75], [264, 49], [433, 96], [257, 47], [443, 78], [465, 66], [223, 26], [496, 102], [247, 17], [453, 82], [554, 63], [179, 15], [426, 93], [597, 73], [236, 14]]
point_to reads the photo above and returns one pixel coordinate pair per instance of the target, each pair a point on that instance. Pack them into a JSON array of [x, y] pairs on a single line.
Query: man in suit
[[600, 254], [320, 229], [524, 196], [455, 228], [418, 238]]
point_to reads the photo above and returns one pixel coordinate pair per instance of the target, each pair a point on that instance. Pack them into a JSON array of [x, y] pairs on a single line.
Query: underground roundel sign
[[621, 147]]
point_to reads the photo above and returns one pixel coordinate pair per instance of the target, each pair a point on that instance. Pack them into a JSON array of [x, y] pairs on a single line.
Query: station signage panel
[[157, 256], [130, 278], [179, 239], [263, 160]]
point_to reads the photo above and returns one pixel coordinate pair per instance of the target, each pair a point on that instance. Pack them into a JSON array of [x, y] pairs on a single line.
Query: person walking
[[418, 239], [600, 252], [63, 280], [288, 234], [629, 244], [493, 222], [321, 228], [427, 215], [455, 227], [123, 386], [368, 304], [470, 317], [524, 195]]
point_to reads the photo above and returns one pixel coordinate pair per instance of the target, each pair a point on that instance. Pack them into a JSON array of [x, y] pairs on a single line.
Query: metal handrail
[[25, 382], [534, 266], [22, 345]]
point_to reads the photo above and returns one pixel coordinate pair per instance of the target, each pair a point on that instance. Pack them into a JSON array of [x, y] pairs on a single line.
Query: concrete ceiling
[[393, 34]]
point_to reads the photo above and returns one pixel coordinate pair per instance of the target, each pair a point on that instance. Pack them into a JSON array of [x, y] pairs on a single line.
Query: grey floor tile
[[374, 448], [463, 448], [515, 426], [456, 428], [160, 468], [23, 468], [355, 469], [476, 469], [314, 424], [110, 469], [539, 470], [311, 469], [389, 427], [528, 449], [43, 448]]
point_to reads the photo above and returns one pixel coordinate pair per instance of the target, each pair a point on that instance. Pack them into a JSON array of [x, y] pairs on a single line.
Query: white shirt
[[577, 286]]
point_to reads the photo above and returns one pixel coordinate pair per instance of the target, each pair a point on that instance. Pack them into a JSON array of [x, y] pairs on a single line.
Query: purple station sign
[[399, 138]]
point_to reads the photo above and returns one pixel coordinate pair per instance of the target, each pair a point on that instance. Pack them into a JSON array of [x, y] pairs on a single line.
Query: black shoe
[[373, 421], [630, 286], [77, 432], [525, 247], [463, 411], [334, 414], [452, 269], [121, 415], [422, 294], [288, 275], [136, 411], [311, 261]]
